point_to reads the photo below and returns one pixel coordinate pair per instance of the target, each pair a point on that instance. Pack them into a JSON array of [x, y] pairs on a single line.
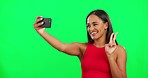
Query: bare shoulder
[[121, 51], [121, 48]]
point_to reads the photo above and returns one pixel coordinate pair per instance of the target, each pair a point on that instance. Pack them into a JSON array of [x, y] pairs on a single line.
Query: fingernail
[[41, 18], [42, 22]]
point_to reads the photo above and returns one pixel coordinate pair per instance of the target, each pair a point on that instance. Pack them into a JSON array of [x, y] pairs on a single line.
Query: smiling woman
[[102, 17], [101, 56], [100, 34]]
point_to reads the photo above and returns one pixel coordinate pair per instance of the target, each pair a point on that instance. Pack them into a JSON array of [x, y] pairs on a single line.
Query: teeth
[[93, 33]]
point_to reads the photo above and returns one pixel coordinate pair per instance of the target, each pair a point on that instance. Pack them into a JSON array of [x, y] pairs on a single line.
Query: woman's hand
[[111, 46], [37, 25]]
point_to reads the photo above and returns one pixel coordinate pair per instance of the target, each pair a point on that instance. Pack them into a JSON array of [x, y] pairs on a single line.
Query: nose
[[91, 28]]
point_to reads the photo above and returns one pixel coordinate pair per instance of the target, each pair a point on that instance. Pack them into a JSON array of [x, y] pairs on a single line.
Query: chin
[[95, 37]]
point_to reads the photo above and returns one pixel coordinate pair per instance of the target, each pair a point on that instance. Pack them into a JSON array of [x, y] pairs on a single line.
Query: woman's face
[[95, 27]]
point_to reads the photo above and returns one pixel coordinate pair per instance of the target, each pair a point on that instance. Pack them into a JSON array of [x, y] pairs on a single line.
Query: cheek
[[101, 31], [100, 28]]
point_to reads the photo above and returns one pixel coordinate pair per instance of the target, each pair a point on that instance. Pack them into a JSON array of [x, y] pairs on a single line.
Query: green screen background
[[24, 54]]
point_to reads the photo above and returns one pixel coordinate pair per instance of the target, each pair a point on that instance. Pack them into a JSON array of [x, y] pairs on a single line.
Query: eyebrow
[[94, 22]]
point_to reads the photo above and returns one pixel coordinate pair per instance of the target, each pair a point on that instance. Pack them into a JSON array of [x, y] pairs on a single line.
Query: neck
[[100, 42]]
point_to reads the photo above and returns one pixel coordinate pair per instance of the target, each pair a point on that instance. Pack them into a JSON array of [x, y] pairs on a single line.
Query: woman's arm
[[118, 66], [117, 58], [72, 49]]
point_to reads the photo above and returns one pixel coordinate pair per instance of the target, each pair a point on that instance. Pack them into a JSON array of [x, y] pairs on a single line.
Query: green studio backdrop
[[24, 54]]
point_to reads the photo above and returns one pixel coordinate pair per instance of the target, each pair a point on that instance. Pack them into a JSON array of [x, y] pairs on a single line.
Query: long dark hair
[[105, 18]]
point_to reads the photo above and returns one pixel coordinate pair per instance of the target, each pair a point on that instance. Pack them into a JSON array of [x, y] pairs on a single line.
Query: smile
[[93, 33]]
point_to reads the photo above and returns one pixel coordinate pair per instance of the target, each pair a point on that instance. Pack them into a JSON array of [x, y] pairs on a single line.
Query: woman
[[101, 57]]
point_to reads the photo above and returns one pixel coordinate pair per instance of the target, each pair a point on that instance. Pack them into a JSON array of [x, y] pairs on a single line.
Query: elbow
[[61, 48]]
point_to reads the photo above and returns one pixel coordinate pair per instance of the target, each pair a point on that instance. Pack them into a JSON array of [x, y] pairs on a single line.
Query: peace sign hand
[[111, 46]]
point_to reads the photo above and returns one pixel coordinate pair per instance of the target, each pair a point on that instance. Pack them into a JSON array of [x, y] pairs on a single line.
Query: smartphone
[[47, 23]]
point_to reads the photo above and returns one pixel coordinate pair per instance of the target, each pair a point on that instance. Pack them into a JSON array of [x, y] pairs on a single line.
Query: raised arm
[[71, 49], [117, 58]]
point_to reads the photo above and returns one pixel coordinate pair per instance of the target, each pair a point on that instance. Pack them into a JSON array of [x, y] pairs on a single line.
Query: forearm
[[115, 71], [52, 41]]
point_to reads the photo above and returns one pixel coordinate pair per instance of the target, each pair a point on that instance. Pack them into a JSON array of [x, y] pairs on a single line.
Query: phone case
[[47, 23]]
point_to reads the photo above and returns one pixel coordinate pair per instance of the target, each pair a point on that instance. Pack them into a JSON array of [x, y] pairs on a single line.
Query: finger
[[112, 45], [38, 19], [115, 36], [38, 24], [111, 37]]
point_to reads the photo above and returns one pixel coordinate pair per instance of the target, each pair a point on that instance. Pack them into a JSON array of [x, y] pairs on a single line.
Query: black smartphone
[[46, 23]]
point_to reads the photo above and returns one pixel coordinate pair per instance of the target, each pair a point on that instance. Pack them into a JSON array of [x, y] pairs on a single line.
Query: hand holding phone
[[46, 22]]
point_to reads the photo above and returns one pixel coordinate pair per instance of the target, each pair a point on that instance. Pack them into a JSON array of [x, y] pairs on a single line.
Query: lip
[[93, 33]]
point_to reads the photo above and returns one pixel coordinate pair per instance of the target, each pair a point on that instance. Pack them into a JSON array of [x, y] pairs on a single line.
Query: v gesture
[[111, 46]]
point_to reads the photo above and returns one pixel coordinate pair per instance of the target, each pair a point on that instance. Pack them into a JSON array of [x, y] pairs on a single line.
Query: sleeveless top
[[95, 63]]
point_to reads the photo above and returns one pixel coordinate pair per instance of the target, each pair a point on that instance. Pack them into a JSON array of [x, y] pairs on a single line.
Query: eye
[[88, 26], [95, 24]]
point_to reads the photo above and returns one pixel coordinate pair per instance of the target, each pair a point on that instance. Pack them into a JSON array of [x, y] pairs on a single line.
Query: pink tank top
[[95, 63]]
